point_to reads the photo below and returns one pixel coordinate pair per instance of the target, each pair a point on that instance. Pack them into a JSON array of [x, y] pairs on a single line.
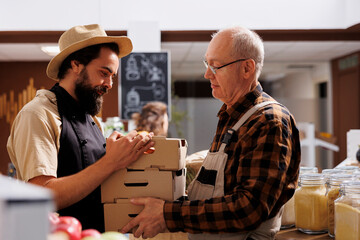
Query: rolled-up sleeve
[[33, 143]]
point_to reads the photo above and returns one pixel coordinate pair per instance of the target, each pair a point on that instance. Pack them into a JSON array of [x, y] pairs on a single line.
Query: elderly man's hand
[[150, 221]]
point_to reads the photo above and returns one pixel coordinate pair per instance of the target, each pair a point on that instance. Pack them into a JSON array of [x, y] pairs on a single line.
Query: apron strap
[[241, 121], [251, 112]]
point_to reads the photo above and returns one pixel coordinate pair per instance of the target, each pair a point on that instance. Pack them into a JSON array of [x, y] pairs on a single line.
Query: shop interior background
[[301, 43]]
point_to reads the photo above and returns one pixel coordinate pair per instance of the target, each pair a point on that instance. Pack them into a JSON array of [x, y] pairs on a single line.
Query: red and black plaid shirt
[[260, 174]]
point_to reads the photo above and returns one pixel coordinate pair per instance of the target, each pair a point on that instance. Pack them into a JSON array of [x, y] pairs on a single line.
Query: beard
[[89, 98]]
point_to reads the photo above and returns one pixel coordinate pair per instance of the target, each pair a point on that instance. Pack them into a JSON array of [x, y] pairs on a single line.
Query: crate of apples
[[69, 228]]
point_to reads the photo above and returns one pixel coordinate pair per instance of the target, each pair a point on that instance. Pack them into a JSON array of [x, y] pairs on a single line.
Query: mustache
[[101, 90]]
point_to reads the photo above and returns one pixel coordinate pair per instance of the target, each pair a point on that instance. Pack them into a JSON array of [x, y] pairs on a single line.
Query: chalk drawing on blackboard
[[144, 77], [152, 72], [132, 70], [133, 103]]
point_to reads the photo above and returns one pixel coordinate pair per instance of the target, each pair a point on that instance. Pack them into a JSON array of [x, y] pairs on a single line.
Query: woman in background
[[153, 118]]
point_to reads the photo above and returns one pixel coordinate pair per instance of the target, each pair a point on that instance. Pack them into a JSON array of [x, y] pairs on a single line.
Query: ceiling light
[[50, 50]]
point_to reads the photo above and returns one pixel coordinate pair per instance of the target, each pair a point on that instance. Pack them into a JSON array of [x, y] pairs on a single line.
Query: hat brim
[[124, 43]]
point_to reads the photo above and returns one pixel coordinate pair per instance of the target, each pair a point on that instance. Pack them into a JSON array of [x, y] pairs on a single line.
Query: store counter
[[293, 234]]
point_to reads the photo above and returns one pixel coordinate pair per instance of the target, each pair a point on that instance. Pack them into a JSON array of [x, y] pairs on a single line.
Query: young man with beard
[[56, 141]]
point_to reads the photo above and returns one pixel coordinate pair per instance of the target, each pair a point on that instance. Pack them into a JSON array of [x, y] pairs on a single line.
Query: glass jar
[[328, 172], [288, 217], [342, 186], [311, 204], [348, 169], [356, 176], [113, 124], [333, 191], [347, 213], [306, 170]]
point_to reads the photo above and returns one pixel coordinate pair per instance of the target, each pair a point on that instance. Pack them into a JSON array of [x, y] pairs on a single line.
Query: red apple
[[71, 226], [90, 232]]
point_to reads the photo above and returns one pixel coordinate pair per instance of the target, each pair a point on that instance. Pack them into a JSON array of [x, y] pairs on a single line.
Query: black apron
[[81, 144]]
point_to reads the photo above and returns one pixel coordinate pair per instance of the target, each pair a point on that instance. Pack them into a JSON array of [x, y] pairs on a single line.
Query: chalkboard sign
[[144, 77]]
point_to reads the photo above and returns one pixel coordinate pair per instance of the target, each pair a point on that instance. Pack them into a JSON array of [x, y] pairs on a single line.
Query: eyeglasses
[[213, 69]]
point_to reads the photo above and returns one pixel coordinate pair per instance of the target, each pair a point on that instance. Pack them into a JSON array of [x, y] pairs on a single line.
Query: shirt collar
[[70, 104], [243, 104]]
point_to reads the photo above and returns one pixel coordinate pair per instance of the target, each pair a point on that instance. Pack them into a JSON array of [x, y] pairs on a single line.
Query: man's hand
[[124, 150], [150, 221], [121, 151]]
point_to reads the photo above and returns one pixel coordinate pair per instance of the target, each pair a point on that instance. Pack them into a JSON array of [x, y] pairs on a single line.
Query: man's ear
[[76, 66], [249, 67]]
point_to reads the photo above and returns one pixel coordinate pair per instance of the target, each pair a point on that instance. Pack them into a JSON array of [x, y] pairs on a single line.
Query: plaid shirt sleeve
[[260, 176]]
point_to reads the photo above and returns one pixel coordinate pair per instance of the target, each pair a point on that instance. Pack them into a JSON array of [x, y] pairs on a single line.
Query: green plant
[[177, 116]]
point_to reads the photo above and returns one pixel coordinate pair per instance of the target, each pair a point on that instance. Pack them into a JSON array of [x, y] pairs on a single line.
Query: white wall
[[322, 73], [199, 128], [352, 8], [179, 15], [298, 92]]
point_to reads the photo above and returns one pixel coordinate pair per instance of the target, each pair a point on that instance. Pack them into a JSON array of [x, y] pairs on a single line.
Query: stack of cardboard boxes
[[161, 174]]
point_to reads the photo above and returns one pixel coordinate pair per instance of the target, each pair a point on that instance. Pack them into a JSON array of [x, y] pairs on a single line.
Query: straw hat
[[80, 37]]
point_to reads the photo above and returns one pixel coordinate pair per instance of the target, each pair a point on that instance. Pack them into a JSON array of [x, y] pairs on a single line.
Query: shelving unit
[[308, 145]]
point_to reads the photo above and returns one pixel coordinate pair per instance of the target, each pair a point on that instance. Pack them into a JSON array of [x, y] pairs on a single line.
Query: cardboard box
[[118, 214], [169, 155], [151, 182]]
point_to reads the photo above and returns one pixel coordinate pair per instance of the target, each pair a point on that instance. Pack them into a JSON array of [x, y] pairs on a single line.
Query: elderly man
[[251, 169], [56, 140]]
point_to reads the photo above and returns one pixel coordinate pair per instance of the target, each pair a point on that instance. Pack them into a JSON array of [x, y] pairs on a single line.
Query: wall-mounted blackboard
[[144, 77]]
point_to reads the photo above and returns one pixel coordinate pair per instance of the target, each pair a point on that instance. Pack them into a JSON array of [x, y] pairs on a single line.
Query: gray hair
[[246, 44]]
